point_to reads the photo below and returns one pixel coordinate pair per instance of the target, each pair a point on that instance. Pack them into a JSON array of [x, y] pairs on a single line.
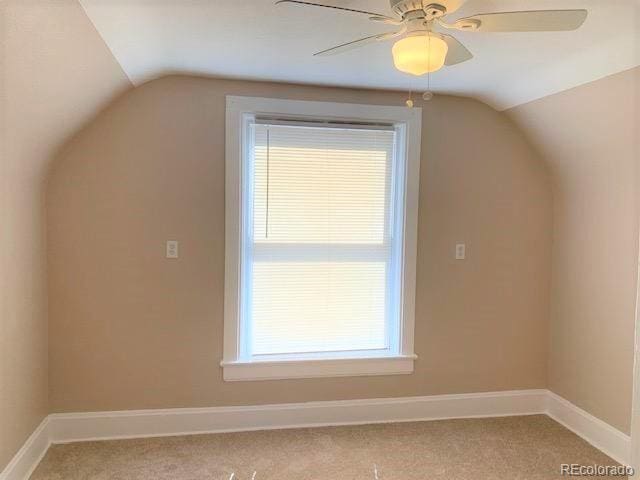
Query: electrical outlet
[[172, 249], [461, 251]]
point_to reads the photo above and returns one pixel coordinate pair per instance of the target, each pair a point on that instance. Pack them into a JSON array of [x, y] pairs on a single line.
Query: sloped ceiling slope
[[258, 40]]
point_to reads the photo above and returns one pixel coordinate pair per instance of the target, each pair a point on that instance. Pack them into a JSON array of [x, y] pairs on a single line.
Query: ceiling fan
[[420, 49]]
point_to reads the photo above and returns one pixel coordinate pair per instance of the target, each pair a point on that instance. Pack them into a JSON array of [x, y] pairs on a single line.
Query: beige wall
[[129, 329], [55, 71], [590, 137]]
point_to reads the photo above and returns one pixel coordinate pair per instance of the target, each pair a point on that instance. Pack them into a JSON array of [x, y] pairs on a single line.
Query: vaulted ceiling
[[257, 39]]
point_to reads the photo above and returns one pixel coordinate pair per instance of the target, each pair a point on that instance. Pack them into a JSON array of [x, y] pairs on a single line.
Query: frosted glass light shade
[[420, 54]]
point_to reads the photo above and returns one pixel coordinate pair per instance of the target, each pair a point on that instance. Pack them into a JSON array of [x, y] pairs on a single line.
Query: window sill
[[343, 367]]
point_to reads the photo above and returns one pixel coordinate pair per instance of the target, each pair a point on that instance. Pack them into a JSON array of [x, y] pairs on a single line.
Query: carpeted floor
[[531, 448]]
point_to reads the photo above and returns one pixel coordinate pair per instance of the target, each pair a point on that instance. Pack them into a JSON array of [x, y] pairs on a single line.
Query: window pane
[[318, 307], [321, 185], [320, 244]]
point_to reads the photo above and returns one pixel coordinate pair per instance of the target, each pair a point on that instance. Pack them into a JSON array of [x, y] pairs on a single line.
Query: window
[[321, 239]]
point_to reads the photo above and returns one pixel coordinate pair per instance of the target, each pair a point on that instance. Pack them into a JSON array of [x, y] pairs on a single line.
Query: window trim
[[237, 110]]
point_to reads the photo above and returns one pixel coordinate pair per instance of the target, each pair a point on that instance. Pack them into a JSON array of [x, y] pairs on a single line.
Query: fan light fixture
[[420, 54]]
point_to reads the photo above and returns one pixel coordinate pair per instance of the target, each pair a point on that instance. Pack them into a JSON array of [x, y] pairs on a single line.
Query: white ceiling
[[256, 39]]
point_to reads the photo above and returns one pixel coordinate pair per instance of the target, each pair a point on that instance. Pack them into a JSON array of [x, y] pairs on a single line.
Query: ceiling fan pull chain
[[428, 95], [429, 60], [429, 73], [410, 100]]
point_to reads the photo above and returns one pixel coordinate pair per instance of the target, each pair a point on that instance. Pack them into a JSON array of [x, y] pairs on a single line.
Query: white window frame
[[239, 110]]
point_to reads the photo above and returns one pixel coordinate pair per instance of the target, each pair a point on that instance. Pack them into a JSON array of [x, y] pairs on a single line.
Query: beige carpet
[[513, 448]]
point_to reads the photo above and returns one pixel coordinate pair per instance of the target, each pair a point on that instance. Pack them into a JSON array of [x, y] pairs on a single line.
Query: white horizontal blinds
[[325, 185], [320, 249]]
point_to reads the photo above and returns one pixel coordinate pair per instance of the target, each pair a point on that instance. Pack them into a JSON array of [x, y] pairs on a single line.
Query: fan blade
[[345, 47], [371, 14], [388, 36], [387, 20], [457, 53], [531, 21]]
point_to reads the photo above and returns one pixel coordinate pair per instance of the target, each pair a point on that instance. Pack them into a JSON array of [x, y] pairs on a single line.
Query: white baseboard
[[28, 457], [152, 423], [601, 435], [78, 427]]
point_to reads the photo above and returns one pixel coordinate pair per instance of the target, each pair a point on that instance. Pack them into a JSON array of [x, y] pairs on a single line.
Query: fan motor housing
[[402, 7]]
